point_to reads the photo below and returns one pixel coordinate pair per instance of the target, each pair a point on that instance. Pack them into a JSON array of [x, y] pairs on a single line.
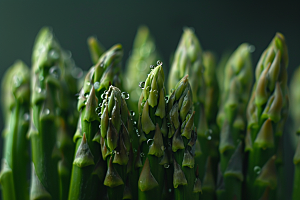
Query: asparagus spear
[[88, 171], [96, 49], [137, 67], [232, 121], [294, 93], [67, 121], [115, 142], [152, 133], [266, 114], [188, 60], [184, 136], [16, 100], [47, 65]]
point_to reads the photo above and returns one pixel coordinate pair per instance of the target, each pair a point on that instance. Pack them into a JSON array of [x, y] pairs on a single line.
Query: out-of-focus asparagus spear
[[47, 65], [266, 114], [96, 49], [221, 69], [115, 142], [67, 120], [295, 114], [88, 171], [137, 68], [232, 121], [188, 60], [15, 101], [211, 106], [295, 108], [181, 119], [152, 134]]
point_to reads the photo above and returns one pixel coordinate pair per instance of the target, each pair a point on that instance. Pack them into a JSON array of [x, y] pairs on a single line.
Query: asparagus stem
[[266, 113], [16, 88]]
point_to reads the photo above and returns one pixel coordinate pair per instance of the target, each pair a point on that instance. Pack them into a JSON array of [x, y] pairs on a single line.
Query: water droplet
[[142, 84], [26, 117], [166, 166], [96, 85], [17, 80], [210, 131], [53, 54], [137, 133], [77, 72], [55, 72], [118, 152], [132, 113], [209, 137], [86, 96], [102, 64], [134, 122], [47, 111], [167, 99], [135, 150], [88, 83], [149, 141], [142, 154], [170, 190], [251, 48], [168, 125], [152, 66], [125, 95], [100, 126], [39, 90], [41, 78], [159, 63], [97, 110], [257, 169]]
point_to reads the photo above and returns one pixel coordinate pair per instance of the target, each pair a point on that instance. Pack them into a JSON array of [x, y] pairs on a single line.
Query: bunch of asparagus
[[129, 137]]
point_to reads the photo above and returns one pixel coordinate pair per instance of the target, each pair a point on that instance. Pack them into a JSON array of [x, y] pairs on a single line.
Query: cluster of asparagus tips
[[88, 171], [152, 132], [182, 133], [266, 114]]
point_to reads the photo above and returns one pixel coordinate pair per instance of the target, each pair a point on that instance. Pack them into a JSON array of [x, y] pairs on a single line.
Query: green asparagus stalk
[[88, 171], [294, 138], [137, 67], [152, 132], [295, 111], [183, 136], [211, 106], [266, 114], [232, 121], [221, 69], [96, 49], [46, 77], [16, 100], [67, 121], [115, 143], [188, 60]]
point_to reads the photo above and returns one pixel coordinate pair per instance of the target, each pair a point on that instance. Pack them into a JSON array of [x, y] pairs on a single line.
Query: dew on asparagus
[[55, 72], [142, 84], [159, 63], [96, 85], [257, 169], [26, 117], [77, 73], [251, 48], [125, 95], [152, 67], [47, 111], [134, 122], [132, 113], [149, 141], [53, 54], [142, 154], [166, 166], [170, 190]]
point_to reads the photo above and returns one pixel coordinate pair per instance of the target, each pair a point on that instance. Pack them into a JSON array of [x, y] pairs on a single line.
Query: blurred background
[[219, 25]]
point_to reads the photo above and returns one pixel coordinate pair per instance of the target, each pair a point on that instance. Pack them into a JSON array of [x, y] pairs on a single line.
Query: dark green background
[[220, 25]]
